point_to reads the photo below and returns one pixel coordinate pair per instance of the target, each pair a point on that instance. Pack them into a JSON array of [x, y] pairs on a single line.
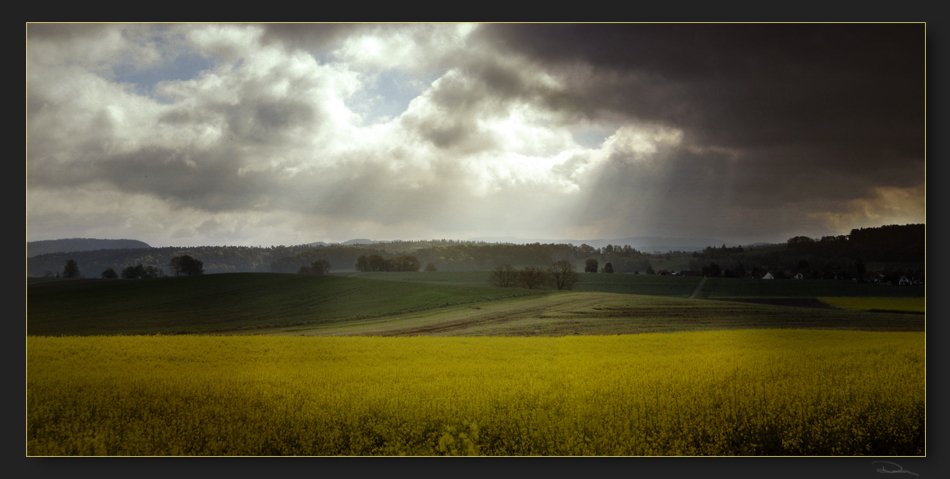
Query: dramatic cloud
[[290, 133]]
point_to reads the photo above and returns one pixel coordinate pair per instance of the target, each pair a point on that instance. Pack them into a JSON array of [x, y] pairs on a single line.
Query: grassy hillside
[[232, 302]]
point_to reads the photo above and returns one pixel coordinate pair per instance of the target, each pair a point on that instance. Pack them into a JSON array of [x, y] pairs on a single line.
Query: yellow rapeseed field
[[755, 392]]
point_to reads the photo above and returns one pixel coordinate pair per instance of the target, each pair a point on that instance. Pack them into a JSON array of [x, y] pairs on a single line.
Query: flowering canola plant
[[747, 392]]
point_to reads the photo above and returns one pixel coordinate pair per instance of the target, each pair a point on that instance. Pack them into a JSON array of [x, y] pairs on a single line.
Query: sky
[[282, 134]]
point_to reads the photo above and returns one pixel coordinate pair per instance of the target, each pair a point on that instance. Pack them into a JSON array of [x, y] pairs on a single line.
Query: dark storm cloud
[[210, 182], [792, 119], [726, 130], [848, 86]]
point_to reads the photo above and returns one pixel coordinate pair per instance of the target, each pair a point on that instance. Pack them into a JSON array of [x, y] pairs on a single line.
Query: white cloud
[[417, 48]]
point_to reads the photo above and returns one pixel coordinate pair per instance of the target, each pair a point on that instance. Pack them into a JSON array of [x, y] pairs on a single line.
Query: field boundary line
[[698, 288]]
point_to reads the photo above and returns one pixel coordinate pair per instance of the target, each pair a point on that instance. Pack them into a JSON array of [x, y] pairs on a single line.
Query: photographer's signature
[[890, 468]]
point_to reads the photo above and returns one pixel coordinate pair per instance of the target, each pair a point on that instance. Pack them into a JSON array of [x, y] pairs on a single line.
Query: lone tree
[[109, 273], [591, 266], [71, 270], [431, 267], [186, 266], [503, 276], [405, 262], [608, 268], [362, 263], [564, 275], [712, 270], [531, 277], [320, 266]]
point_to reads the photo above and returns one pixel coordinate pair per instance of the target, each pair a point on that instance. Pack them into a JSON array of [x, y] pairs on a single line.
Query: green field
[[234, 302], [653, 285], [260, 303], [760, 392], [680, 286]]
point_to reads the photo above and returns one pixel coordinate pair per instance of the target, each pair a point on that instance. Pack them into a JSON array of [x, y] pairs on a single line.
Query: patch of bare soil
[[794, 302]]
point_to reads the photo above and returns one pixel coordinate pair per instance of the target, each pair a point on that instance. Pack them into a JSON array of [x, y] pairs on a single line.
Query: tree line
[[180, 265], [830, 256], [561, 275], [217, 259]]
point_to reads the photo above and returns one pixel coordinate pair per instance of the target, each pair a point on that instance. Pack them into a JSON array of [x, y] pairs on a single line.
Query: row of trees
[[216, 259], [403, 262], [181, 265], [591, 266], [140, 272], [561, 275]]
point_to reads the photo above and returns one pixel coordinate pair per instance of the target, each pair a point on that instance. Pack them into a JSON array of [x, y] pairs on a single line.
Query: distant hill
[[35, 248]]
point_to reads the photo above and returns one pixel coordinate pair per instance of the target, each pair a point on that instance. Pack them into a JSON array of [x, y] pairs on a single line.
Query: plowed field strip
[[526, 309], [607, 313]]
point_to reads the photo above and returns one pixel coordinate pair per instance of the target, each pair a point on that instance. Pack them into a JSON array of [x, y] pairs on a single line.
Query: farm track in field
[[699, 288], [608, 314], [539, 309]]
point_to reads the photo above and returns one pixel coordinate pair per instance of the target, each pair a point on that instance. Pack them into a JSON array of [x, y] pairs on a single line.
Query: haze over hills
[[903, 246], [642, 243], [35, 248]]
